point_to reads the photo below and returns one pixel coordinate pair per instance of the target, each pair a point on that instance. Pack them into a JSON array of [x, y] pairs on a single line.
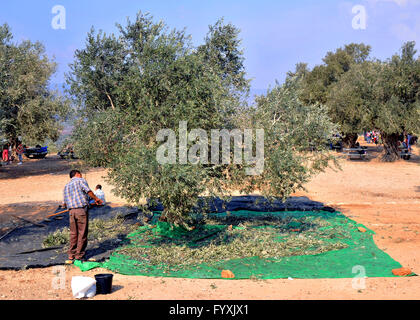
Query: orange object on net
[[227, 274], [401, 272]]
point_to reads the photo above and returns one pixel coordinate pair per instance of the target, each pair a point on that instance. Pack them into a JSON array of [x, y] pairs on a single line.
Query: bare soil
[[383, 196]]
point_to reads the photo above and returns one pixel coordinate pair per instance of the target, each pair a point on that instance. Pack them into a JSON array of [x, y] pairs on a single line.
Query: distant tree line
[[362, 93]]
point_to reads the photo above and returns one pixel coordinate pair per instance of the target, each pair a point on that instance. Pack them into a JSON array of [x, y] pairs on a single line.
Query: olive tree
[[319, 82], [147, 79], [296, 137], [28, 108]]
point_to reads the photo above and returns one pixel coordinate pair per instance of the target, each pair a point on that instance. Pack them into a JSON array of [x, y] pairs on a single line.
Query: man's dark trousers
[[79, 222]]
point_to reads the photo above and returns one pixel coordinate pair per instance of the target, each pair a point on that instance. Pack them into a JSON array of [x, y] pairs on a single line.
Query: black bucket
[[103, 283]]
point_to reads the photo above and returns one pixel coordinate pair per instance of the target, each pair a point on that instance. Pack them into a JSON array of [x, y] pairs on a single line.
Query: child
[[99, 193]]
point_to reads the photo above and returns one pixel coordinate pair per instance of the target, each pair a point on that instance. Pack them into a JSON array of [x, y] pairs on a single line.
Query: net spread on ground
[[262, 245]]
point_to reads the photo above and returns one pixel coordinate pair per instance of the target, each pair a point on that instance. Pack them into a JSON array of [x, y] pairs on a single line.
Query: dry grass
[[264, 239], [99, 230], [57, 238]]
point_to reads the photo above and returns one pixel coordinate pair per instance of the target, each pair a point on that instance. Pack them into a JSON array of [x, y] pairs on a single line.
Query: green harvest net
[[334, 247]]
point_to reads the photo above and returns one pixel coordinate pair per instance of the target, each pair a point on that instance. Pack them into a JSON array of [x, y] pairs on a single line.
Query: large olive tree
[[147, 78]]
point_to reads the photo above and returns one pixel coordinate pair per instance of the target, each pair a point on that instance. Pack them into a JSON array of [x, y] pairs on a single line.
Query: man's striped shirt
[[75, 193]]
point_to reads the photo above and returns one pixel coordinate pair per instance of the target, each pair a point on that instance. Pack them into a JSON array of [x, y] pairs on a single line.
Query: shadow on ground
[[52, 164], [375, 152], [21, 247], [34, 211]]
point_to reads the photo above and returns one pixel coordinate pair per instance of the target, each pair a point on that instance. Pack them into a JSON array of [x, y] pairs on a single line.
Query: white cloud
[[401, 16], [404, 32], [401, 3]]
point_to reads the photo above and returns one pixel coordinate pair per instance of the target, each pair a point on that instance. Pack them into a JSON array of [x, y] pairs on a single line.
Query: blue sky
[[275, 34]]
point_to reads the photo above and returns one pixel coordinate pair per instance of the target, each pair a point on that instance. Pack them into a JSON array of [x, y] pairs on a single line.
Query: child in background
[[99, 193]]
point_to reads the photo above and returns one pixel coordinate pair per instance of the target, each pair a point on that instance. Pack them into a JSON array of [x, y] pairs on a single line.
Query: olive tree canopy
[[147, 78], [28, 108]]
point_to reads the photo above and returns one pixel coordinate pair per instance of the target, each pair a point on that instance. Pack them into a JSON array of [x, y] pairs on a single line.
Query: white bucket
[[83, 287]]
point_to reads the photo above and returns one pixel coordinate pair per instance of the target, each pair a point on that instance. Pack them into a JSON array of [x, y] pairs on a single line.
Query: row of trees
[[362, 93]]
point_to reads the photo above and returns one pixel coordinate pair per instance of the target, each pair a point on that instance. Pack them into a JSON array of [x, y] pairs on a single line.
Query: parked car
[[36, 153]]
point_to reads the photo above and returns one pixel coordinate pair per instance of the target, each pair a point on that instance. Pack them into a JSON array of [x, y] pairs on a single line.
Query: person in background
[[99, 193], [5, 154], [408, 142], [10, 153], [19, 151], [375, 137]]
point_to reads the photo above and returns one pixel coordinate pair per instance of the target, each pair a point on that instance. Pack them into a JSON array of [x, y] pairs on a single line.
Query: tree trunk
[[349, 140], [391, 152]]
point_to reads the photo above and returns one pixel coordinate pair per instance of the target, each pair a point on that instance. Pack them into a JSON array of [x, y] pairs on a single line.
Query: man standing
[[19, 151], [76, 194], [409, 142]]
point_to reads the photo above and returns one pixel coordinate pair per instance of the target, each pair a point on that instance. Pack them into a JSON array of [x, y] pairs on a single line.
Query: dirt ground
[[383, 196]]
